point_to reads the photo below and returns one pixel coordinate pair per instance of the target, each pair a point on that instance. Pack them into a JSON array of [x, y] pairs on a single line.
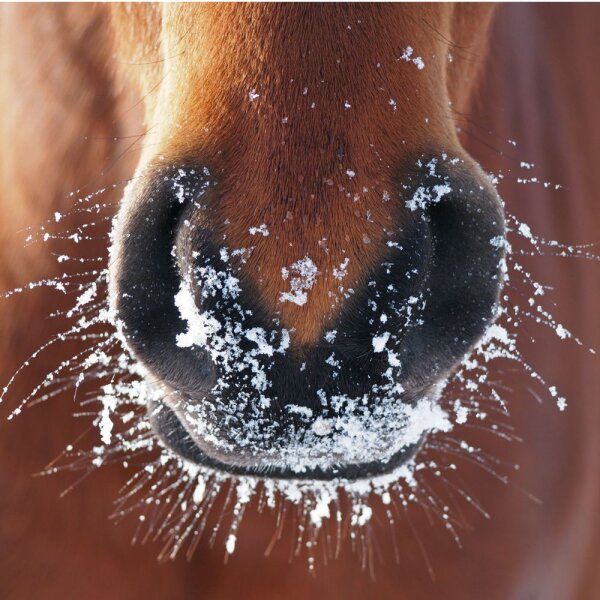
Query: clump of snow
[[329, 336], [320, 511], [199, 490], [230, 543], [105, 424], [361, 514], [262, 229], [424, 197], [380, 341], [322, 426], [407, 56], [341, 271], [302, 276], [199, 325]]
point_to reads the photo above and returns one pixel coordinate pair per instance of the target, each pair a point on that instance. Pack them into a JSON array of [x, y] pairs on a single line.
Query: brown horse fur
[[282, 159], [63, 106]]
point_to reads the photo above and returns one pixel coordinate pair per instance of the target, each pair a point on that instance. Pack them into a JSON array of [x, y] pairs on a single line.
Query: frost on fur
[[174, 499]]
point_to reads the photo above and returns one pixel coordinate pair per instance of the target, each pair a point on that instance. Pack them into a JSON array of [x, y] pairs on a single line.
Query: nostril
[[144, 276], [466, 224]]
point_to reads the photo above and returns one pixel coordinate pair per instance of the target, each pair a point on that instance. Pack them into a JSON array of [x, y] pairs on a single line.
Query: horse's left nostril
[[467, 228]]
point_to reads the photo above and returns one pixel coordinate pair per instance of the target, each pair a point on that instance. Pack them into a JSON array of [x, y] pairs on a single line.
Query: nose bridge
[[309, 238], [305, 130], [309, 196]]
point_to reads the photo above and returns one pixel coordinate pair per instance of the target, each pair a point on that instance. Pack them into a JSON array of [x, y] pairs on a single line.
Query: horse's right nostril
[[144, 277]]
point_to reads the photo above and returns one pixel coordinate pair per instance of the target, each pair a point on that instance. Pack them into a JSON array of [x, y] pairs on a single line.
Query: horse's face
[[307, 251]]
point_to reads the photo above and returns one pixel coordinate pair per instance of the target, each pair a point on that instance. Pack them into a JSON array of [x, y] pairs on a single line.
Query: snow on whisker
[[177, 502]]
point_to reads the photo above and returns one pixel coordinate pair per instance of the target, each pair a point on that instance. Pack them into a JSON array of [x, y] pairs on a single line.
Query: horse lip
[[172, 433]]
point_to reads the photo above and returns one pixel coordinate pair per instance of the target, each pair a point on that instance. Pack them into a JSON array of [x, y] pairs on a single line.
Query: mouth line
[[172, 434]]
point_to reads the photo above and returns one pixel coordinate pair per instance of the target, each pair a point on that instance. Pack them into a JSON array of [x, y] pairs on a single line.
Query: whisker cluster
[[177, 504]]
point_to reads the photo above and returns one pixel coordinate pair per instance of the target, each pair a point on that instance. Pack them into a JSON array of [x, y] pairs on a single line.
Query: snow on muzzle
[[230, 388]]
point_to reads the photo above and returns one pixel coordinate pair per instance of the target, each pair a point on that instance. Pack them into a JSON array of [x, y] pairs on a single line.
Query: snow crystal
[[380, 341], [424, 197], [407, 56], [199, 326], [302, 276], [262, 229]]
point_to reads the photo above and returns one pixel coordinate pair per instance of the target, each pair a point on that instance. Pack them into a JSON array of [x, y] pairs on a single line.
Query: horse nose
[[242, 395]]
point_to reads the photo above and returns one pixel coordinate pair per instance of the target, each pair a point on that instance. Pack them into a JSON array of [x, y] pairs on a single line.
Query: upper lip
[[174, 435]]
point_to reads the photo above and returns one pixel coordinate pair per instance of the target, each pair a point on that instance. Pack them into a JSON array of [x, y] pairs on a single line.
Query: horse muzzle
[[232, 388]]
